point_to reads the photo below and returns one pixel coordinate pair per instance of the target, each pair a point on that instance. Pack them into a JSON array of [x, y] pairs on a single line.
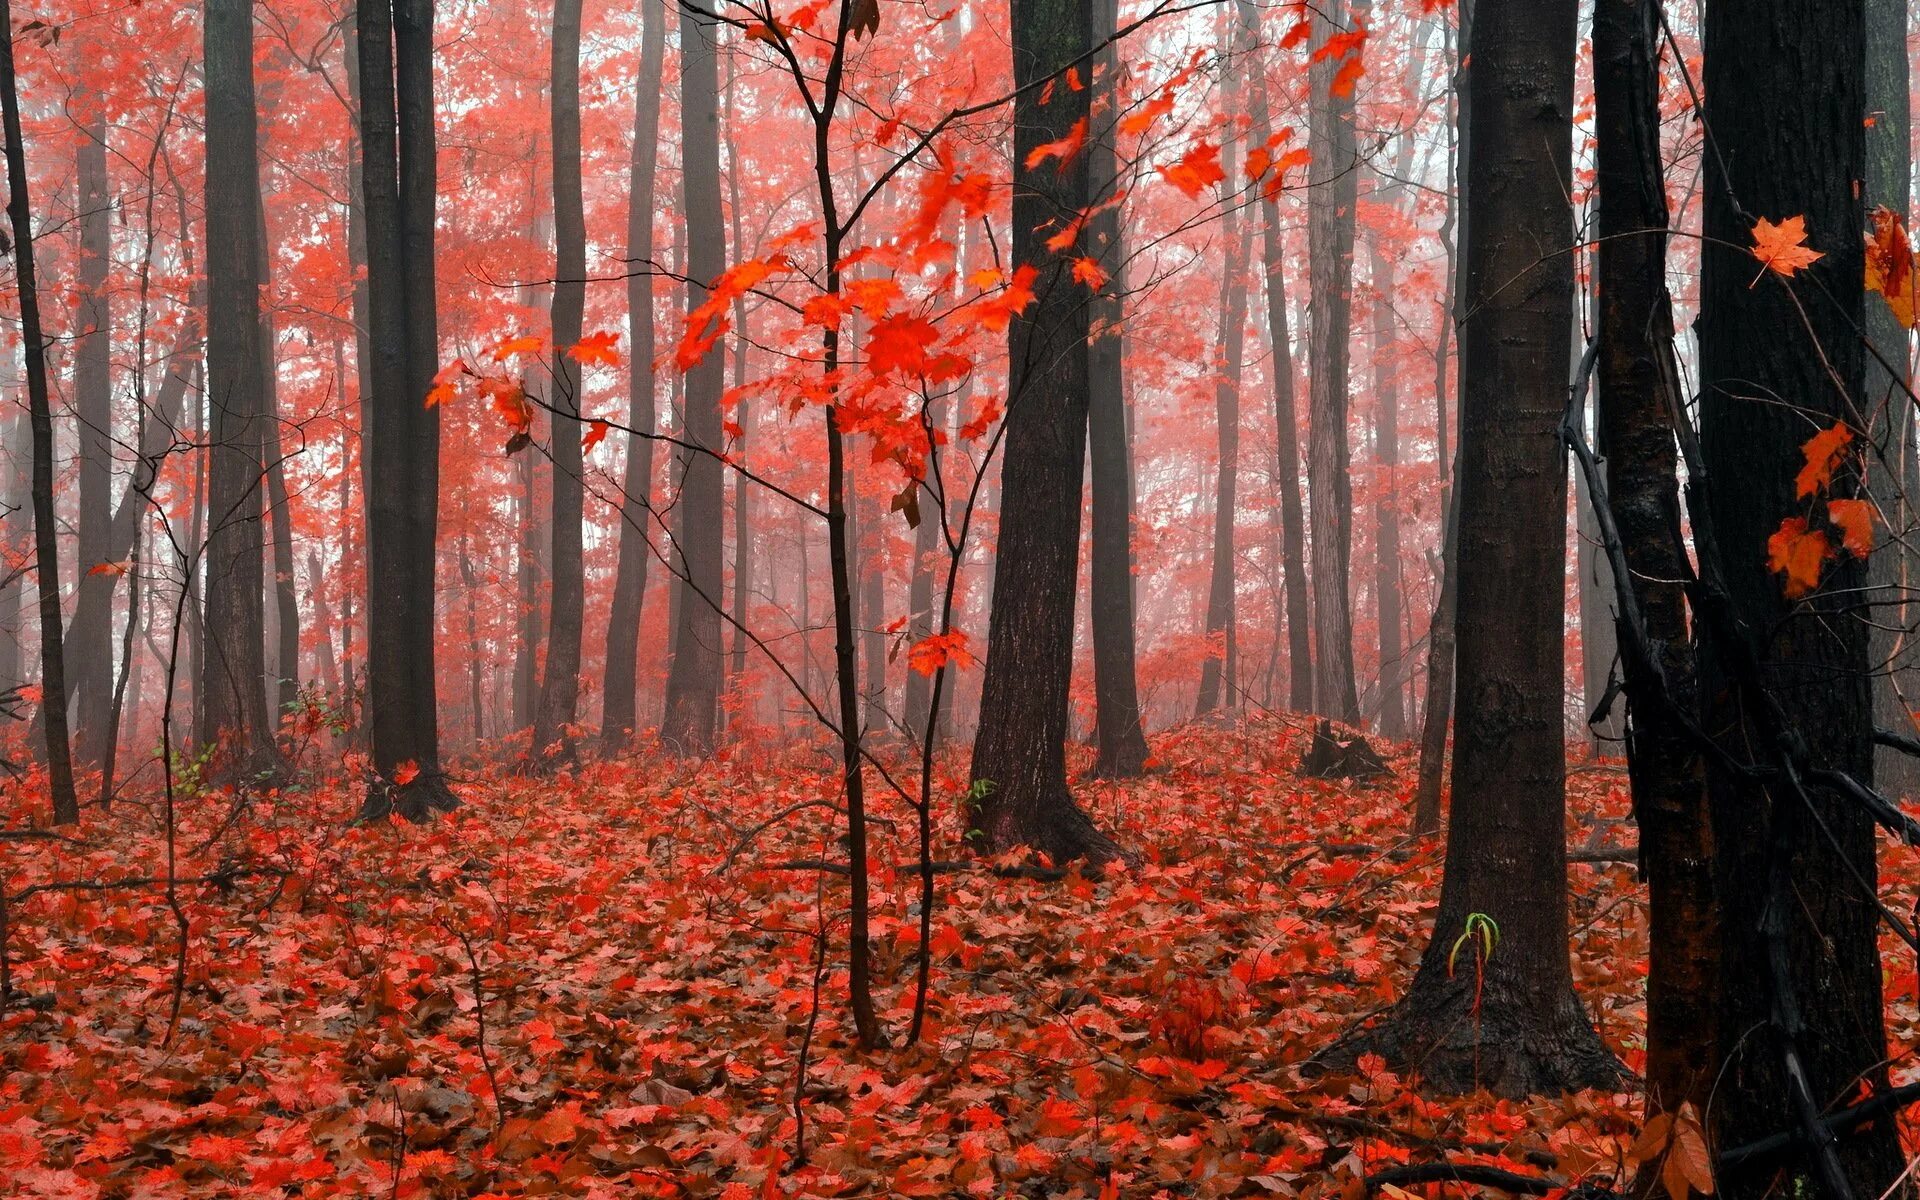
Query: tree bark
[[693, 682], [90, 647], [403, 437], [1635, 369], [560, 679], [1796, 879], [617, 713], [1019, 773], [1333, 187], [53, 678], [233, 702], [1507, 1018], [283, 689]]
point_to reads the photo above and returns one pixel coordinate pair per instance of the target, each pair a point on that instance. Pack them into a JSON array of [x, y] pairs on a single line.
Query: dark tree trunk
[[1392, 703], [1121, 735], [1891, 571], [89, 647], [526, 647], [402, 439], [1800, 967], [1293, 535], [1636, 368], [233, 702], [742, 487], [693, 682], [617, 714], [284, 686], [1508, 1020], [1333, 187], [560, 679], [1219, 678], [53, 675], [16, 516], [1019, 751]]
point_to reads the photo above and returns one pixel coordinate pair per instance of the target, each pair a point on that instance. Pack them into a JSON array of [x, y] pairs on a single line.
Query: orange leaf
[[115, 569], [596, 433], [596, 349], [1783, 247], [929, 654], [406, 772], [1854, 520], [528, 343], [1087, 271], [1798, 553], [1064, 149], [1197, 170], [1890, 265], [1824, 451]]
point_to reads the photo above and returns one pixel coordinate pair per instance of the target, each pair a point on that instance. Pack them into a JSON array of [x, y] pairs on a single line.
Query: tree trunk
[[1392, 705], [1599, 647], [1116, 690], [233, 703], [90, 647], [742, 487], [15, 534], [560, 679], [53, 676], [1636, 367], [1800, 967], [403, 437], [1507, 1018], [1293, 536], [1332, 190], [283, 689], [620, 684], [526, 647], [693, 682], [1019, 752]]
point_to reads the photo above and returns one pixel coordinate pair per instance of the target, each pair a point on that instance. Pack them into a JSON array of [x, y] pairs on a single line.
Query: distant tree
[[90, 648], [46, 554], [693, 681], [403, 438], [560, 679], [1019, 751], [233, 699], [617, 717], [1482, 1012]]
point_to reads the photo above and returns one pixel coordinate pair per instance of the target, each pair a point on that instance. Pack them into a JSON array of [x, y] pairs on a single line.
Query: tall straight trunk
[[1889, 179], [1508, 1019], [1019, 752], [560, 680], [325, 663], [470, 589], [1599, 645], [870, 566], [403, 435], [742, 487], [693, 682], [46, 554], [1635, 369], [526, 647], [1293, 536], [1796, 877], [620, 684], [1333, 187], [194, 582], [1219, 680], [90, 647], [15, 516], [284, 687], [233, 707], [1392, 704], [1116, 689]]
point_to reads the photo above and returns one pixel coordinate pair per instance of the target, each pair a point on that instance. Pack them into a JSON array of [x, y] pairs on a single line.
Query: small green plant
[[977, 793], [1481, 926]]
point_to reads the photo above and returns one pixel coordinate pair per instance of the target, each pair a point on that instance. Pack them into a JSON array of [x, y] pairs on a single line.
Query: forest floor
[[600, 985]]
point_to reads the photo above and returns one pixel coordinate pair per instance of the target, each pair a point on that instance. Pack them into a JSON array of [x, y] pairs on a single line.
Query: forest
[[750, 599]]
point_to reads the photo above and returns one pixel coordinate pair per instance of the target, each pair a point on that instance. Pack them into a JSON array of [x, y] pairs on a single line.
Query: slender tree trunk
[[693, 683], [284, 689], [470, 586], [326, 662], [233, 706], [1019, 751], [526, 651], [1293, 537], [620, 685], [560, 680], [1508, 1019], [1333, 187], [53, 676], [403, 437], [1599, 647], [742, 488], [1386, 513], [89, 647], [1219, 682], [1796, 879], [1636, 368], [15, 535]]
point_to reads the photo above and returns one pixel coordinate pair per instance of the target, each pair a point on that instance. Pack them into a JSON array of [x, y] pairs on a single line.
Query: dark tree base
[[1054, 824], [1517, 1048], [1329, 757], [1128, 762], [416, 802]]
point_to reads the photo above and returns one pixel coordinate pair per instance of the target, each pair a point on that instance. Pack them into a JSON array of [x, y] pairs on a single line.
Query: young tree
[[1332, 188], [560, 680], [693, 682], [1122, 738], [403, 439], [1506, 1018], [1019, 751], [617, 713], [1801, 1014], [46, 553], [1635, 372], [90, 646], [233, 700]]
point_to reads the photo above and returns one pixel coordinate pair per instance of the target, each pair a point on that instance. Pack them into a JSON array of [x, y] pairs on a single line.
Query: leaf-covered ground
[[601, 986]]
